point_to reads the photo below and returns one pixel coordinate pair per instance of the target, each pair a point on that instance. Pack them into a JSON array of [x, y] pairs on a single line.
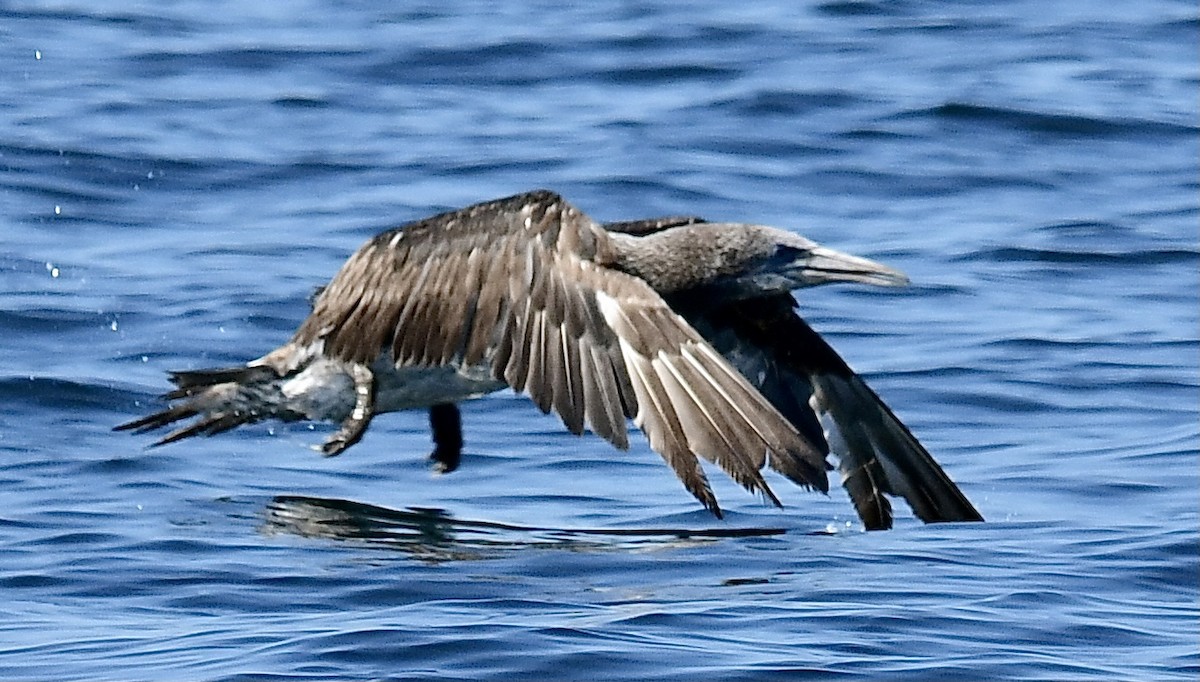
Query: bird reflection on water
[[435, 535]]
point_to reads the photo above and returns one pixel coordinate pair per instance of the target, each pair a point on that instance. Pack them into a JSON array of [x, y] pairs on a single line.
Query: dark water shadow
[[434, 533]]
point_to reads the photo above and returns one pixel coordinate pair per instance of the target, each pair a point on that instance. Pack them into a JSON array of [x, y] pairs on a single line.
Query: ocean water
[[176, 178]]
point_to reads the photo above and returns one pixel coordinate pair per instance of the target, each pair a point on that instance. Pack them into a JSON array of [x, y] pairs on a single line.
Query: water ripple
[[1064, 125], [177, 177]]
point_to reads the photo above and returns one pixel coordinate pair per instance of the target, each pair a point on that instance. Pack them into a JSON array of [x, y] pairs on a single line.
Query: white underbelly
[[411, 387], [324, 389]]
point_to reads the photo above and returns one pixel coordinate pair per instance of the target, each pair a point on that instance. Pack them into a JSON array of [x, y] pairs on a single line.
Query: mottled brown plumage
[[647, 320], [593, 344]]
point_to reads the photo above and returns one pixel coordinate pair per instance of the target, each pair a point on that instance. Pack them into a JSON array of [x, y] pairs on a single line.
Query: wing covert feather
[[512, 285]]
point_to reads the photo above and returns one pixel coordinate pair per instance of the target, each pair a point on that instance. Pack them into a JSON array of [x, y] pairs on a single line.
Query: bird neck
[[709, 255]]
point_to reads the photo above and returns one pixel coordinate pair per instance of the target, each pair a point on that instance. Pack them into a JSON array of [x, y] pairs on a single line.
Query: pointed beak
[[824, 265]]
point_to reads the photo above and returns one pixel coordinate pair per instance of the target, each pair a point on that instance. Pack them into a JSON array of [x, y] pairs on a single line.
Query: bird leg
[[446, 423], [354, 426]]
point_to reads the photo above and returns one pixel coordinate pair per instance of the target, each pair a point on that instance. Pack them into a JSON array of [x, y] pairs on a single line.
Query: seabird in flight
[[686, 327]]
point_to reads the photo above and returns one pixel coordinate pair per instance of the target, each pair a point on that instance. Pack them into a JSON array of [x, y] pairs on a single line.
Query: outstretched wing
[[806, 380], [645, 226], [514, 285]]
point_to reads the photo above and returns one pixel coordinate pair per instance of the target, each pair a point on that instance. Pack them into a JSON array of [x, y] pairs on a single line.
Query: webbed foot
[[354, 426], [446, 423]]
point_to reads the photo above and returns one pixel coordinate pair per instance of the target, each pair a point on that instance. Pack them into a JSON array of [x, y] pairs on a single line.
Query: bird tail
[[222, 398]]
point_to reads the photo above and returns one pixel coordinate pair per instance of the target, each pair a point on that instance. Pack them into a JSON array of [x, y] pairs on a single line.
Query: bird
[[685, 327]]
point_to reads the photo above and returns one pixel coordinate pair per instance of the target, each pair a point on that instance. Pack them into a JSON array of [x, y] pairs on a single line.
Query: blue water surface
[[176, 178]]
